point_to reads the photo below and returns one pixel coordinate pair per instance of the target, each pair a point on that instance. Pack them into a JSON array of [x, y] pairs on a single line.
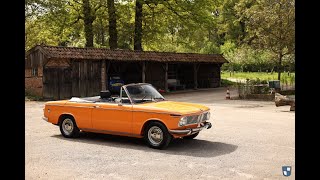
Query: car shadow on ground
[[194, 147], [287, 111]]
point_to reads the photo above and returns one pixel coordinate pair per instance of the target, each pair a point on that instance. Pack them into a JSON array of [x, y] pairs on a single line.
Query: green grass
[[290, 79], [226, 83]]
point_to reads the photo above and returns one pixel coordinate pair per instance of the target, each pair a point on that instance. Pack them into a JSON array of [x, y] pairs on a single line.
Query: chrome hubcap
[[155, 135], [67, 126]]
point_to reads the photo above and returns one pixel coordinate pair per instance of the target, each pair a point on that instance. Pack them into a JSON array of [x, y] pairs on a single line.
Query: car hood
[[175, 107]]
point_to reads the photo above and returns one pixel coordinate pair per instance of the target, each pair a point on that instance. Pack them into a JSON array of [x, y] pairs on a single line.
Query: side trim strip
[[151, 112], [114, 109], [72, 106]]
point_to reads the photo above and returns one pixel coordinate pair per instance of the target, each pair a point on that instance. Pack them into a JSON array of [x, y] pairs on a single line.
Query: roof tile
[[126, 55]]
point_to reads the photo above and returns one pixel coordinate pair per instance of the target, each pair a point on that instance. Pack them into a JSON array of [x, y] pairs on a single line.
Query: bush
[[253, 87], [28, 94], [254, 67]]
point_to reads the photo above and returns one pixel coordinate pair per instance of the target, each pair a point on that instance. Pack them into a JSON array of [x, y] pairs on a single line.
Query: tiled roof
[[125, 55]]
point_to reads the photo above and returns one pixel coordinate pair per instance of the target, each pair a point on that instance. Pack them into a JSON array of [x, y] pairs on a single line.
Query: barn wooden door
[[50, 83], [86, 78], [65, 84], [57, 83]]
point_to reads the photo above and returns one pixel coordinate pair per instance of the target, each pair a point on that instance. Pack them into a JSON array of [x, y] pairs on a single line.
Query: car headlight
[[183, 121]]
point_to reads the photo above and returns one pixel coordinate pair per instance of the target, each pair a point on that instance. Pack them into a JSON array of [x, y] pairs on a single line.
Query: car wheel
[[191, 136], [157, 135], [68, 127]]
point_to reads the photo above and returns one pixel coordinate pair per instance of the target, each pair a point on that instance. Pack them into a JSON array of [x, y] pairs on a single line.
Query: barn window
[[34, 71]]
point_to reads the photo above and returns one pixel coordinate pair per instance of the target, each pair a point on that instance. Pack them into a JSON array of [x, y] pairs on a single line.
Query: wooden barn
[[63, 72]]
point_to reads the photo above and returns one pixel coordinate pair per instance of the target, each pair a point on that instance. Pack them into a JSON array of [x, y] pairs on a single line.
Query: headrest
[[105, 94]]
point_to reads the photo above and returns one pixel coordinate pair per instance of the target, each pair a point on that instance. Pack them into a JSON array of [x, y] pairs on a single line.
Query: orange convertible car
[[140, 111]]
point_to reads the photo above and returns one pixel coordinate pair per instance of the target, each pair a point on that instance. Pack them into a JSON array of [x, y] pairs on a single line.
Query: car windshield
[[141, 93]]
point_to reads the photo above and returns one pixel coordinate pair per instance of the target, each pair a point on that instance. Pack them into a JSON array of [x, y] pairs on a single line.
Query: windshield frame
[[124, 87]]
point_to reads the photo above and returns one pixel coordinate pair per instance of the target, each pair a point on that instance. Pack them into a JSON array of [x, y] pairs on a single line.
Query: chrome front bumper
[[44, 118], [207, 125]]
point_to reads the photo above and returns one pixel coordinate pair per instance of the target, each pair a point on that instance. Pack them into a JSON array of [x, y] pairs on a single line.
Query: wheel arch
[[150, 121], [64, 115]]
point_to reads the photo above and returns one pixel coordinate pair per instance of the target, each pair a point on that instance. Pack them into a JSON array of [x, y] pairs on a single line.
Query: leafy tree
[[125, 25], [178, 26], [47, 22], [88, 16], [271, 26], [252, 35]]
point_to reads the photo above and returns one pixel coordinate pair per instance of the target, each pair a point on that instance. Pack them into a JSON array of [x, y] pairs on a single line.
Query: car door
[[110, 117]]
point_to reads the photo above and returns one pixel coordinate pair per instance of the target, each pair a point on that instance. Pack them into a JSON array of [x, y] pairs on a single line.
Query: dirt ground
[[248, 140]]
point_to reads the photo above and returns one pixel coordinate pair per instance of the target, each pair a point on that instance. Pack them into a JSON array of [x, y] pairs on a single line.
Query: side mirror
[[118, 101]]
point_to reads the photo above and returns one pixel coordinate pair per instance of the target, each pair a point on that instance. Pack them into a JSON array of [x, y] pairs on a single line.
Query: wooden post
[[166, 78], [143, 71], [107, 70], [103, 75], [219, 74], [195, 76]]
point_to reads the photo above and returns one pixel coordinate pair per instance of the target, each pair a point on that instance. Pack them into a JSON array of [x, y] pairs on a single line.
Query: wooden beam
[[163, 67], [195, 76], [219, 73], [107, 85], [143, 71], [103, 75], [198, 65], [166, 78]]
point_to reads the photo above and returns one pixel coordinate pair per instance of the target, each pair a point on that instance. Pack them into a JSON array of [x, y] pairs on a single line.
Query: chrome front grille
[[195, 119]]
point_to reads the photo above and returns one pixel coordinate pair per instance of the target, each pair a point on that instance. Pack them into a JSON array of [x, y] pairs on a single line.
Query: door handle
[[96, 106]]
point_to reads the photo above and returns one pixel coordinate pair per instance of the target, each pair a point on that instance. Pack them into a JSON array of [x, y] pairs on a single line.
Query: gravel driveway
[[248, 140]]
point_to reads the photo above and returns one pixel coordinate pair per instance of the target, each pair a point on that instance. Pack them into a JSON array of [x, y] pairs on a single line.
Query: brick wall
[[28, 72], [34, 85], [40, 71]]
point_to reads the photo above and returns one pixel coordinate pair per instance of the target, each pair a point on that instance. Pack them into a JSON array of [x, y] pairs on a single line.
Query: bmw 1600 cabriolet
[[139, 111]]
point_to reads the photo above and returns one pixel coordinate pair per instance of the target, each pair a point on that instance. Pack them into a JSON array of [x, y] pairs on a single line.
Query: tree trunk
[[100, 34], [62, 42], [243, 31], [279, 66], [113, 40], [103, 43], [138, 26], [88, 19], [281, 100]]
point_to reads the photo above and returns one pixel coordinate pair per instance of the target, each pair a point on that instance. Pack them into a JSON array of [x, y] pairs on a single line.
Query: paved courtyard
[[248, 140]]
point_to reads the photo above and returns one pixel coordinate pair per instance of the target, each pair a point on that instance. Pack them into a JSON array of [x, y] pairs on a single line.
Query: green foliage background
[[251, 34]]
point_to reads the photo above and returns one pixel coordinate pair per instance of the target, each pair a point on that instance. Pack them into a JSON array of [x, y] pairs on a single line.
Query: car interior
[[105, 96]]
